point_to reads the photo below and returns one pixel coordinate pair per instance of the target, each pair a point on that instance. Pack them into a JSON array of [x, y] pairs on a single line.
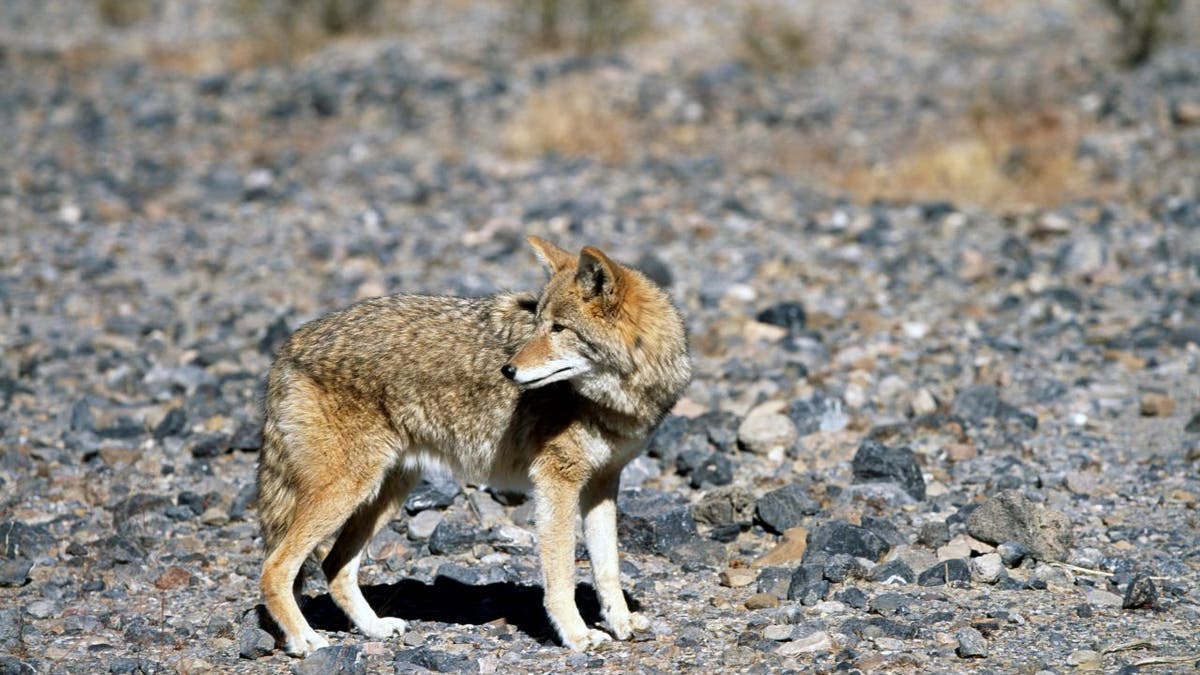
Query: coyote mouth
[[541, 380]]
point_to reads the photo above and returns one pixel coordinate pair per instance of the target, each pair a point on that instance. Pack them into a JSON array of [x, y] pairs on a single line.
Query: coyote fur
[[556, 393]]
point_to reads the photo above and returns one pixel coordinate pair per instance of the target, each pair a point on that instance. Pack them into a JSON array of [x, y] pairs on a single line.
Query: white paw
[[624, 626], [383, 628], [305, 644], [586, 641]]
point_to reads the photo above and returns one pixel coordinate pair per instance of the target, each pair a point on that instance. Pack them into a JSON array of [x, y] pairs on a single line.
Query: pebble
[[837, 536], [893, 572], [653, 522], [422, 525], [1140, 594], [737, 577], [255, 643], [1085, 659], [1100, 598], [762, 601], [813, 643], [987, 568], [785, 508], [347, 659], [15, 572], [875, 461], [767, 433], [971, 643], [945, 572], [1009, 516], [1157, 405], [778, 632]]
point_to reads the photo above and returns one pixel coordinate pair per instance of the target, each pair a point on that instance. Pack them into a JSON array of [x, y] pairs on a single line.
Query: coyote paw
[[624, 626], [305, 644], [586, 641], [383, 628]]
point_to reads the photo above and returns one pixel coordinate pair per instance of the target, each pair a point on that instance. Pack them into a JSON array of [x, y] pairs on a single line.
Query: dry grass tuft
[[570, 117], [774, 39], [124, 13], [582, 25], [1005, 161]]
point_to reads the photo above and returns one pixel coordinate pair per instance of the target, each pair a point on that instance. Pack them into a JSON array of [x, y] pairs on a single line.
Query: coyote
[[555, 393]]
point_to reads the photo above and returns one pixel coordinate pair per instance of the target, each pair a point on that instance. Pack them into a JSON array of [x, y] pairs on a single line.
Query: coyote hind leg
[[341, 565]]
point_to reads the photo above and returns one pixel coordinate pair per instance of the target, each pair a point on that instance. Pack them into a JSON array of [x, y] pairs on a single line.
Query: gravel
[[880, 380]]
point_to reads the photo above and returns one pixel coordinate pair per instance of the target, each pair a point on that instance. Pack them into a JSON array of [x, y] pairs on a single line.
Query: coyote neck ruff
[[557, 392]]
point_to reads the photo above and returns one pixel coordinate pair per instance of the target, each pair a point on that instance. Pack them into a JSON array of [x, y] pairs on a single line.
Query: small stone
[[788, 315], [724, 506], [778, 632], [944, 572], [1140, 594], [762, 601], [970, 643], [923, 403], [255, 643], [1085, 659], [961, 452], [987, 568], [837, 536], [1100, 598], [215, 516], [1193, 425], [785, 508], [173, 578], [435, 491], [1083, 483], [893, 572], [766, 433], [977, 403], [1186, 113], [1157, 405], [775, 581], [343, 659], [1009, 516], [1012, 553], [934, 534], [451, 537], [810, 644], [422, 525], [737, 577], [650, 521], [41, 609], [956, 548], [875, 462], [15, 572]]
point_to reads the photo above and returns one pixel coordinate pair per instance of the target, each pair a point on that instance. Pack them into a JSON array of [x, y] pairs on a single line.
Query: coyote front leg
[[557, 503], [600, 531]]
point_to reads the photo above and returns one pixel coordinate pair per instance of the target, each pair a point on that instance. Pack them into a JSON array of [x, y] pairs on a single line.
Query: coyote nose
[[509, 371]]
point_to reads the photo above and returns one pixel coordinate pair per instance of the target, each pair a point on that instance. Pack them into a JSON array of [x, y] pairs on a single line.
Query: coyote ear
[[598, 276], [553, 257]]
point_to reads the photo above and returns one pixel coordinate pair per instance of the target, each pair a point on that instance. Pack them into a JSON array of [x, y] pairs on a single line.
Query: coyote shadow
[[448, 600]]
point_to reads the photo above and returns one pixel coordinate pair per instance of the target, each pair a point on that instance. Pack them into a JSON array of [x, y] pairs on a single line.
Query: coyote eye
[[557, 328]]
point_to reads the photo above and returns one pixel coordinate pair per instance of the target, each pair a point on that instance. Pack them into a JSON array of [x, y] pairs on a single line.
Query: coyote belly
[[556, 392]]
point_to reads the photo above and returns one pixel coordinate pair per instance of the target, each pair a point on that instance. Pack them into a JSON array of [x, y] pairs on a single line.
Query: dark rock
[[342, 659], [10, 627], [875, 462], [837, 536], [656, 269], [131, 513], [1140, 594], [248, 437], [27, 541], [128, 665], [878, 626], [946, 571], [811, 414], [892, 572], [15, 571], [277, 332], [807, 590], [724, 507], [970, 643], [977, 403], [1193, 425], [1012, 553], [450, 537], [885, 530], [209, 445], [650, 521], [785, 508], [852, 597], [716, 470], [243, 500], [774, 580], [118, 549], [434, 660], [81, 416], [1009, 516], [889, 604], [666, 443], [933, 534], [435, 491], [789, 315], [11, 665], [841, 567], [173, 424], [255, 643]]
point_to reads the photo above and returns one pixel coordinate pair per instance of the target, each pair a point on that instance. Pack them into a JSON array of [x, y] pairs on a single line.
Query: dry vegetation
[[570, 117], [773, 38], [1003, 159], [581, 25]]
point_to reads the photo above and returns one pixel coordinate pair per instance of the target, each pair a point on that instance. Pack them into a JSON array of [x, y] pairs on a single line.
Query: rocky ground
[[925, 434]]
